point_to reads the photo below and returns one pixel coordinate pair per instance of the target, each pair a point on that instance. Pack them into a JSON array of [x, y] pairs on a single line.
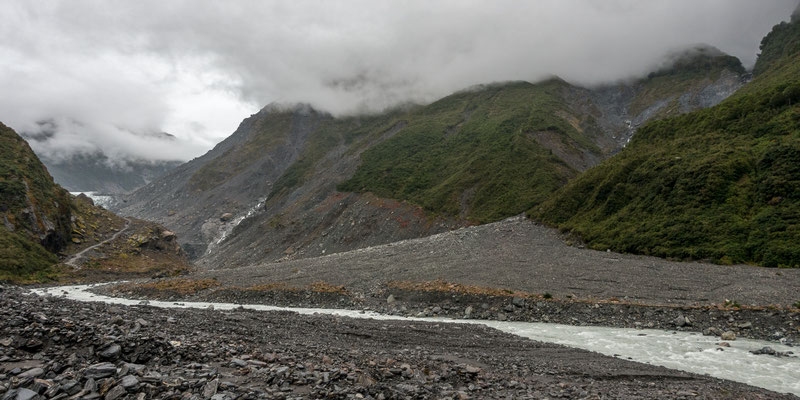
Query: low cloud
[[111, 73]]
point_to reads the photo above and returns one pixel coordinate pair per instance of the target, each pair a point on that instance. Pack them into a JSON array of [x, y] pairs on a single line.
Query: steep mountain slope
[[36, 212], [495, 153], [43, 223], [269, 191], [720, 184]]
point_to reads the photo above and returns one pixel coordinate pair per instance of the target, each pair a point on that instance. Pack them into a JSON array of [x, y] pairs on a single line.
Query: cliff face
[[293, 182]]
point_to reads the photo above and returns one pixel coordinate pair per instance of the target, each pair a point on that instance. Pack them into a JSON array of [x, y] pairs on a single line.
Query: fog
[[110, 76]]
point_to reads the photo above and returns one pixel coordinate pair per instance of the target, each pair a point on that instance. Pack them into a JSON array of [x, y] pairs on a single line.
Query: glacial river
[[691, 352]]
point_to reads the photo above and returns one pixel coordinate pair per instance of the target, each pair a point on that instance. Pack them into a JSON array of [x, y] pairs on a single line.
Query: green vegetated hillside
[[35, 211], [721, 183], [40, 220], [477, 153]]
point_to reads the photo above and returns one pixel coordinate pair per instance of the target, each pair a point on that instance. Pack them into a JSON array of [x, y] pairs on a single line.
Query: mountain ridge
[[718, 184], [283, 164]]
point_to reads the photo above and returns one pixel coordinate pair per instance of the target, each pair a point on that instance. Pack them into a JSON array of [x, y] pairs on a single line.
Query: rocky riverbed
[[56, 349], [441, 299]]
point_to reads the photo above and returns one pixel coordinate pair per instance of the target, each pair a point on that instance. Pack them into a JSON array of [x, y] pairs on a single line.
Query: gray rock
[[210, 389], [129, 382], [681, 321], [70, 387], [501, 317], [518, 301], [238, 363], [25, 394], [728, 335], [32, 373], [111, 352], [765, 350], [711, 331], [468, 311], [115, 393], [745, 325], [101, 370], [391, 299], [436, 310]]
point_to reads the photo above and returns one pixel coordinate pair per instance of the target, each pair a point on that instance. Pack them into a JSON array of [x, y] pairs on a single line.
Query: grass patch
[[25, 261]]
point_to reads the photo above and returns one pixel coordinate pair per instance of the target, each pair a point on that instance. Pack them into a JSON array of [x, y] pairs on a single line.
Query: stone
[[25, 394], [711, 331], [129, 382], [745, 325], [115, 393], [111, 352], [518, 301], [468, 311], [238, 363], [472, 370], [70, 387], [226, 217], [681, 321], [765, 350], [210, 389], [32, 373], [728, 335], [101, 370], [391, 299]]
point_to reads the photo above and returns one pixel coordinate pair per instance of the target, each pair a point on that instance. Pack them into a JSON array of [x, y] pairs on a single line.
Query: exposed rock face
[[268, 192]]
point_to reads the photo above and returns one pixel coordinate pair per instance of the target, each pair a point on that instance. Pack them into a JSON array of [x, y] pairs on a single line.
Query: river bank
[[53, 346], [441, 299]]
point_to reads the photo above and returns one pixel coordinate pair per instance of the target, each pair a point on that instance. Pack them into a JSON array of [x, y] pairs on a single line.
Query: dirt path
[[72, 262], [519, 254]]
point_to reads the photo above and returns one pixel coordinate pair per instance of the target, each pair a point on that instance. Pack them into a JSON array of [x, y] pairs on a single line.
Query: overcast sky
[[112, 73]]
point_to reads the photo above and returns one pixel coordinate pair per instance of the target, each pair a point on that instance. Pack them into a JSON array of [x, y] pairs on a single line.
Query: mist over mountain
[[196, 68]]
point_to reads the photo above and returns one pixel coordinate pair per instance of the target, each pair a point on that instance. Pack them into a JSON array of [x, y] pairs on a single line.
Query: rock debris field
[[52, 348]]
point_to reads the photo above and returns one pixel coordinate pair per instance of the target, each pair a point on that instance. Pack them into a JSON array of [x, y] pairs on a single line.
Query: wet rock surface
[[53, 348]]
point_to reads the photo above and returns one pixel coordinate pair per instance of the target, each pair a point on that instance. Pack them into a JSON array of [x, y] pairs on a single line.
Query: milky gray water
[[683, 351]]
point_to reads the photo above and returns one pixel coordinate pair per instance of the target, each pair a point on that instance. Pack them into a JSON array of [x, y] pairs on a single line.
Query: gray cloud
[[111, 72]]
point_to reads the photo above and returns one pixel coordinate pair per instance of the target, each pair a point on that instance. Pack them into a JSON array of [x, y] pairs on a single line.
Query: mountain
[[43, 224], [721, 183], [36, 212], [95, 173], [295, 182]]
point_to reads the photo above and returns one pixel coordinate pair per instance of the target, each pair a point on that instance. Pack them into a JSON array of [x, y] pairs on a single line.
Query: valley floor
[[520, 255], [61, 348], [511, 270]]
